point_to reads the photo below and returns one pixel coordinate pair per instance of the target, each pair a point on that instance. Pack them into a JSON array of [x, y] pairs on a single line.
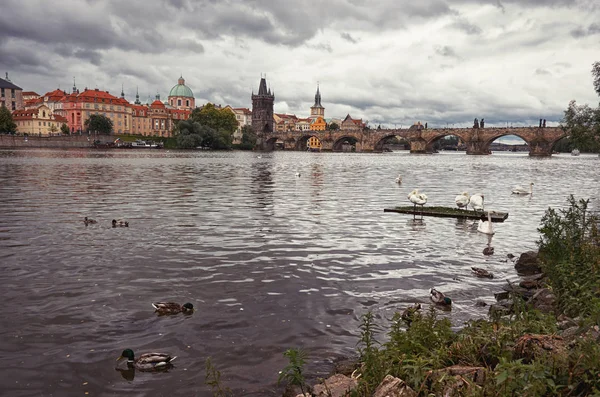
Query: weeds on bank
[[213, 379], [293, 372], [570, 254]]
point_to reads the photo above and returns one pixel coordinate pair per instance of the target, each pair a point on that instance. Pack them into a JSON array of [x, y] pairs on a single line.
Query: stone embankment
[[65, 141]]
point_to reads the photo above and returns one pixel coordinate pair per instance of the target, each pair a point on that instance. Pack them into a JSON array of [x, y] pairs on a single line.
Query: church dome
[[181, 89]]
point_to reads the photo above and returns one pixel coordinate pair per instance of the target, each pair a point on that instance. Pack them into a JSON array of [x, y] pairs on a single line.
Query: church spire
[[137, 96], [122, 91], [318, 97], [74, 86]]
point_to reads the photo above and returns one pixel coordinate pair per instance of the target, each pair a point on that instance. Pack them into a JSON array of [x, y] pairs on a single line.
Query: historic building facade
[[181, 96], [11, 95], [40, 121]]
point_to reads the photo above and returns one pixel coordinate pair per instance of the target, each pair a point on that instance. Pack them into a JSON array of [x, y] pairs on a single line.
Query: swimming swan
[[486, 226], [522, 190]]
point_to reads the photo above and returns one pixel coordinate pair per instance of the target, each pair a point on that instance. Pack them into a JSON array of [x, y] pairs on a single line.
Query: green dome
[[181, 89]]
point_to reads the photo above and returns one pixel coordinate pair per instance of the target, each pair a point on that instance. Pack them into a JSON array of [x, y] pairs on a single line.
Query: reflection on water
[[270, 260]]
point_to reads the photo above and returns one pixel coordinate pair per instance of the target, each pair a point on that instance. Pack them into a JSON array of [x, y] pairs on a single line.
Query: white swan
[[462, 200], [522, 190], [486, 226], [417, 199], [476, 202], [399, 179]]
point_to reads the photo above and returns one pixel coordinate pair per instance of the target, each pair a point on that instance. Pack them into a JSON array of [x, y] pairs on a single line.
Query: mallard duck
[[147, 361], [489, 250], [408, 314], [172, 307], [479, 272], [89, 221], [119, 223], [439, 298]]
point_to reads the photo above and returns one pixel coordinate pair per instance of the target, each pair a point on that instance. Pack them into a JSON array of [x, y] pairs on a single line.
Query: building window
[[187, 103], [179, 102], [44, 114], [14, 106], [2, 92], [87, 105], [12, 93]]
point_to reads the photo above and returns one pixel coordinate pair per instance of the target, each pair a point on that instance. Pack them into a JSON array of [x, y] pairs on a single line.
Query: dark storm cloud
[[348, 37], [580, 31], [446, 51]]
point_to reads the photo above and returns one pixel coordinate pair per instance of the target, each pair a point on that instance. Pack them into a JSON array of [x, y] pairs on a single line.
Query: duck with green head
[[439, 298], [173, 308], [147, 361]]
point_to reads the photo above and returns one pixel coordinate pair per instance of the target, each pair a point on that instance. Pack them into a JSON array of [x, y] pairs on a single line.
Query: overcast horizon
[[389, 62]]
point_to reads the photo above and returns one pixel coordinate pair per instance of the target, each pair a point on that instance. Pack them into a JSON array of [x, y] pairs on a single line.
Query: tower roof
[[262, 88], [181, 89], [317, 98]]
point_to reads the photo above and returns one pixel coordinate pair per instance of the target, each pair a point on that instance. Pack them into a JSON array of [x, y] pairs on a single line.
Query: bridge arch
[[378, 146], [429, 148], [270, 144], [348, 139], [487, 144]]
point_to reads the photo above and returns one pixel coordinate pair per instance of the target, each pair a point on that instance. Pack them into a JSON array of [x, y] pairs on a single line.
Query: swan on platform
[[417, 198], [486, 226], [462, 200], [522, 190], [476, 202]]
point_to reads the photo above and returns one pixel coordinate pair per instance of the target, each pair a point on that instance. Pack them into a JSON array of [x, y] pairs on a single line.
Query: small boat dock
[[448, 212]]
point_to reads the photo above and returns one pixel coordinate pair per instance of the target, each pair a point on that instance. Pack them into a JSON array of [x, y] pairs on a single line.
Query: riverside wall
[[65, 141]]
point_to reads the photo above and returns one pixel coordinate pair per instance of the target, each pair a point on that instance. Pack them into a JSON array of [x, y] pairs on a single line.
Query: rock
[[528, 264], [570, 332], [530, 347], [337, 385], [393, 387], [528, 284], [480, 304], [345, 366], [543, 300], [474, 374], [501, 296]]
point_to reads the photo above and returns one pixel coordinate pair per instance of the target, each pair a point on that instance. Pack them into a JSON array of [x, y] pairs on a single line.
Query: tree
[[99, 123], [333, 126], [53, 128], [248, 138], [64, 129], [582, 122], [7, 125], [596, 76], [220, 125]]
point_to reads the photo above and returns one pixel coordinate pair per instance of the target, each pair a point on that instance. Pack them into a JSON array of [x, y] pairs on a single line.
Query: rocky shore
[[533, 291]]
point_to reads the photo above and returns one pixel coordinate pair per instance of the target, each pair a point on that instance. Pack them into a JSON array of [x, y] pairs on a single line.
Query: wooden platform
[[448, 212]]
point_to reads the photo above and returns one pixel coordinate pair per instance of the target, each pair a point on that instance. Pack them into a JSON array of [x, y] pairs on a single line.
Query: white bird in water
[[417, 199], [486, 226], [522, 190], [462, 200], [399, 179], [476, 202]]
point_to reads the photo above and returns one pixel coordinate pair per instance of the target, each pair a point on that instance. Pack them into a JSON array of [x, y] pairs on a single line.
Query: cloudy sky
[[391, 62]]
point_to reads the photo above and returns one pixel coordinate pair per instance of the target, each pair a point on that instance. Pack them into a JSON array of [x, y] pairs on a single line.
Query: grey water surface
[[270, 260]]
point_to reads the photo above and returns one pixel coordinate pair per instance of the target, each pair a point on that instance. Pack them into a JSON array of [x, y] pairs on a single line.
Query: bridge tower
[[262, 114], [317, 110]]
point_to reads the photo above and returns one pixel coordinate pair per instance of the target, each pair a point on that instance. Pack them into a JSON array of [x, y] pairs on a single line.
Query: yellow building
[[313, 144], [40, 121], [318, 124]]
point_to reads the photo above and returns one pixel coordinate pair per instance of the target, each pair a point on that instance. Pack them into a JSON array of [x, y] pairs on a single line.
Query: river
[[270, 260]]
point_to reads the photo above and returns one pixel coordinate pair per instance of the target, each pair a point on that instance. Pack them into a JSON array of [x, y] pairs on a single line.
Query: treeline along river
[[270, 260]]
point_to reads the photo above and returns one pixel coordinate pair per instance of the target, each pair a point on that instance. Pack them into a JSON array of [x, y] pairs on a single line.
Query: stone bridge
[[541, 140]]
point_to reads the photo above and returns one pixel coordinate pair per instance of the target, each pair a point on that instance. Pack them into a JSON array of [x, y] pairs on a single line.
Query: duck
[[119, 223], [462, 200], [439, 298], [408, 314], [399, 179], [147, 361], [479, 272], [489, 250], [521, 190], [485, 226], [172, 308], [476, 202], [89, 221], [298, 174]]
